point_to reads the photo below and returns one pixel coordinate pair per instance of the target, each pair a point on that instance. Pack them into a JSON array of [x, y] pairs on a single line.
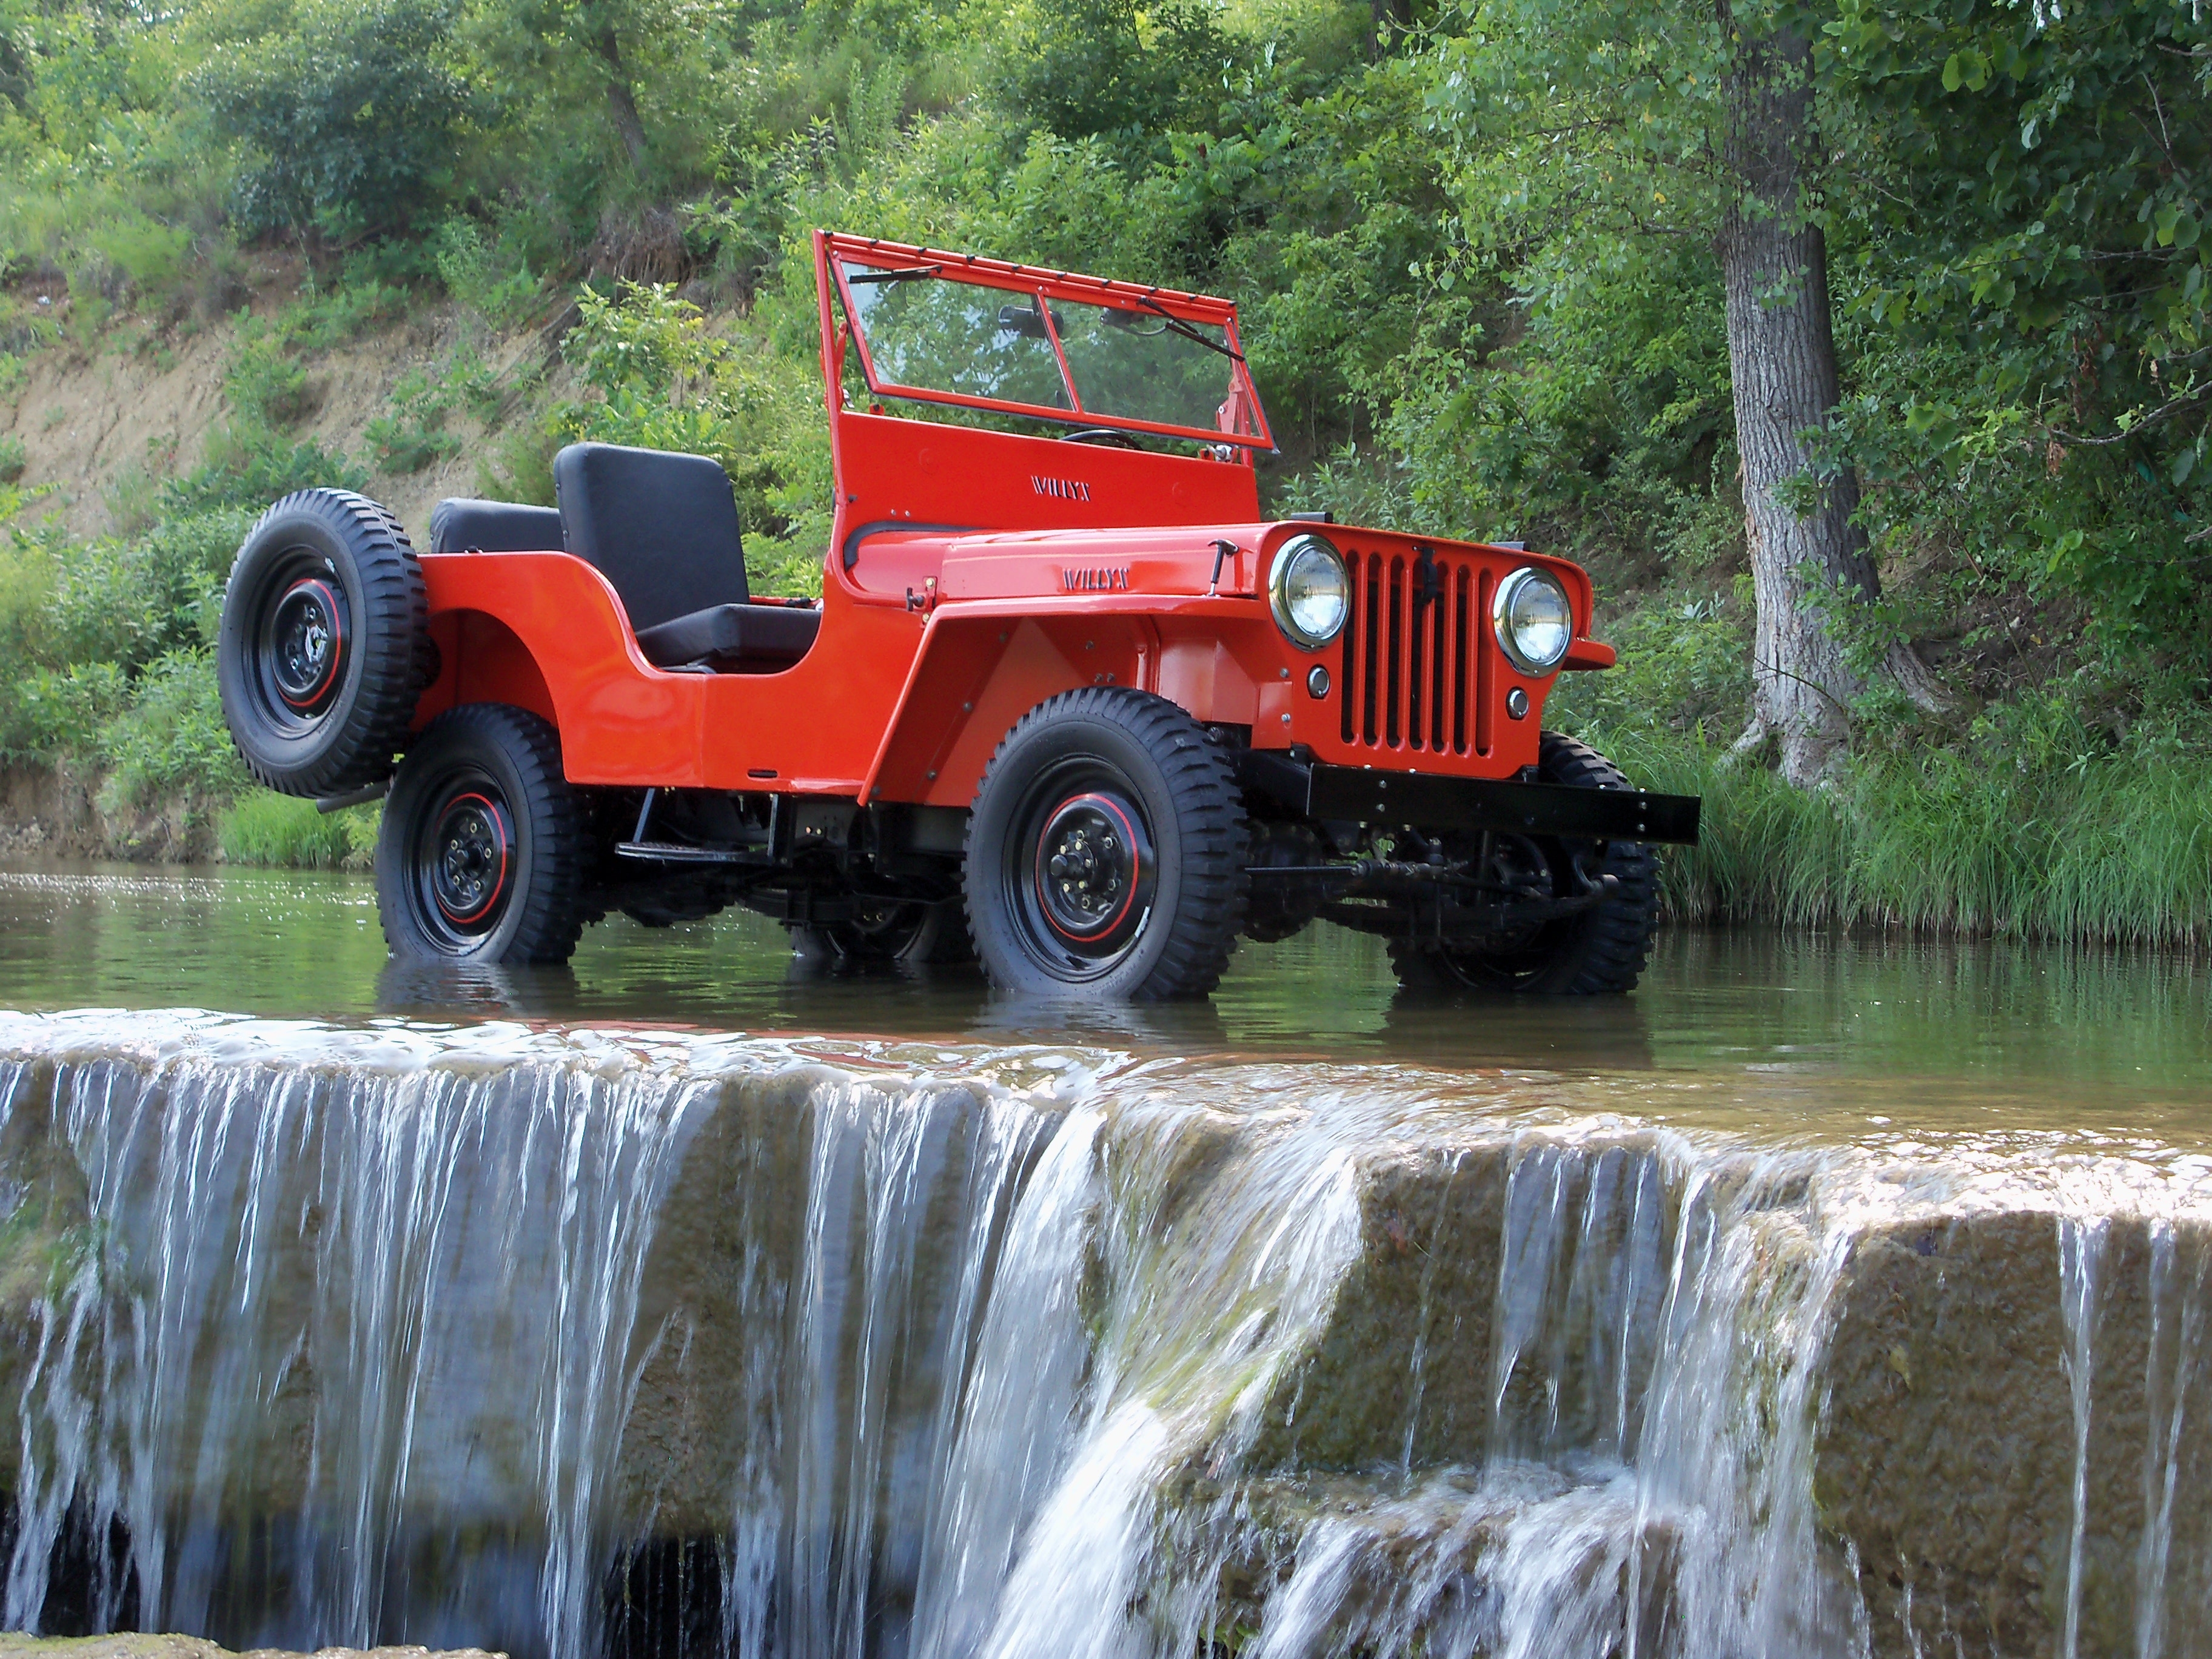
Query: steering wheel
[[1112, 437]]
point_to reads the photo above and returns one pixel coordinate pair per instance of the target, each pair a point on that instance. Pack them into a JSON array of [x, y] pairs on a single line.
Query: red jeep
[[1067, 702]]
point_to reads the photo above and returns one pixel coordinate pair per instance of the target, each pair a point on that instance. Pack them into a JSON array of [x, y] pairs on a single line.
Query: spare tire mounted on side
[[325, 647]]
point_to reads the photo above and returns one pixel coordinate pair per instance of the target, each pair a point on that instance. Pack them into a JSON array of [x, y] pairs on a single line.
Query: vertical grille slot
[[1486, 666], [1417, 670], [1463, 580], [1394, 684], [1370, 614]]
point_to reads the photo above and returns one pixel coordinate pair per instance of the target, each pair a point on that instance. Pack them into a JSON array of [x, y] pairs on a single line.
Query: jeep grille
[[1418, 666]]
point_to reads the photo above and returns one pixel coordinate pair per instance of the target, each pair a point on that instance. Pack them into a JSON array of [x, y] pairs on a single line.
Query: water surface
[[1816, 1032]]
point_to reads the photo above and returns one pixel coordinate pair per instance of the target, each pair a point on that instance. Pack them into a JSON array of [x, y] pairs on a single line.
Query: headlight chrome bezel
[[1501, 620], [1279, 595]]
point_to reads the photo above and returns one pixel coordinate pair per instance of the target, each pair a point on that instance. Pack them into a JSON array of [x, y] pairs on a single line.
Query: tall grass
[[263, 828], [2114, 846]]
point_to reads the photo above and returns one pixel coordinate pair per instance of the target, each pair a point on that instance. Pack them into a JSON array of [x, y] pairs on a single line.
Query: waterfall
[[584, 1343]]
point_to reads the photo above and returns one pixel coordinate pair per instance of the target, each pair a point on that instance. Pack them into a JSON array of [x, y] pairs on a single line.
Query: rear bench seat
[[662, 528]]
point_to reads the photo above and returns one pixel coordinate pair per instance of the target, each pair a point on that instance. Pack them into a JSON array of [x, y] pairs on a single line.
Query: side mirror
[[1027, 321]]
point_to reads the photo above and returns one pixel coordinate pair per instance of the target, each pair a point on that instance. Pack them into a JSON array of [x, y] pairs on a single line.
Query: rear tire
[[1600, 952], [484, 848], [1105, 854], [324, 645], [893, 935]]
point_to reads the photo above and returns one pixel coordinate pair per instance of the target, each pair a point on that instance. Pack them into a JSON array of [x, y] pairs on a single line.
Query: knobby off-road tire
[[324, 645], [485, 848], [1602, 949], [1105, 854], [891, 935]]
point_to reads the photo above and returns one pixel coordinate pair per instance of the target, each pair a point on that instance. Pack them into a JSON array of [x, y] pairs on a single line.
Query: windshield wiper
[[904, 274], [1177, 325]]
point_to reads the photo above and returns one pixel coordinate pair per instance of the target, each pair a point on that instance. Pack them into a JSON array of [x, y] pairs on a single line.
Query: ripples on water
[[1822, 1298]]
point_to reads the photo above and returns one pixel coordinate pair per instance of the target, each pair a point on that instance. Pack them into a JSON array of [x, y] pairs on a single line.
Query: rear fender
[[543, 631]]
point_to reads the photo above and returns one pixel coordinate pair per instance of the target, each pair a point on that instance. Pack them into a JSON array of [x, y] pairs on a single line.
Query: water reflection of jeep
[[1067, 702]]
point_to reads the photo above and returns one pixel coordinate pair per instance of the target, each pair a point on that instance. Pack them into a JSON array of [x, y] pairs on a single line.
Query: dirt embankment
[[106, 425], [56, 812]]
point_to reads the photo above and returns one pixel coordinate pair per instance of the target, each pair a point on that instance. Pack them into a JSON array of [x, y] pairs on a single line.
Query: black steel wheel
[[483, 853], [1105, 853], [891, 934], [325, 644], [1600, 951]]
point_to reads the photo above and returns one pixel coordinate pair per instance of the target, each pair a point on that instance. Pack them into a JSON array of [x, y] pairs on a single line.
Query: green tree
[[1637, 123], [349, 116]]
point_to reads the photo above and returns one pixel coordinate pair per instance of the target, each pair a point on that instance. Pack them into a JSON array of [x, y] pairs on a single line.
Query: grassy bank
[[280, 830], [2111, 847]]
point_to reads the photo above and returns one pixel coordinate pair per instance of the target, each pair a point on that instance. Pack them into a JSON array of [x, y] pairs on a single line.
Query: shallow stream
[[1825, 1297]]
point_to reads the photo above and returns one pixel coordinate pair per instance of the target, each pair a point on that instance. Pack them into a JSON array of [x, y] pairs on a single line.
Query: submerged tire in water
[[485, 846], [895, 934], [325, 643], [1602, 950], [1106, 852]]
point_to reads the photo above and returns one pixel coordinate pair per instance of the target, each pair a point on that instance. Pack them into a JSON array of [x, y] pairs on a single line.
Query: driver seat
[[662, 528]]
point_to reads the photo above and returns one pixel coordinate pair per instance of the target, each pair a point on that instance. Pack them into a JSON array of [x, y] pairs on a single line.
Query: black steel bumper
[[1426, 801]]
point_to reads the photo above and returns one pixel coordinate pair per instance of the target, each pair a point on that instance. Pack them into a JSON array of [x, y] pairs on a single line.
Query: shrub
[[352, 118], [62, 713], [129, 602], [266, 384], [12, 459], [476, 276], [249, 468], [171, 738], [412, 435]]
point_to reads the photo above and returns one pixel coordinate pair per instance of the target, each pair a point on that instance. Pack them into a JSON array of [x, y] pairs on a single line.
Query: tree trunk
[[622, 104], [1781, 358]]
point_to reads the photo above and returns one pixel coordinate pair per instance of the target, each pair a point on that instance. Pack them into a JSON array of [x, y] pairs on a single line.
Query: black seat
[[662, 528], [460, 525]]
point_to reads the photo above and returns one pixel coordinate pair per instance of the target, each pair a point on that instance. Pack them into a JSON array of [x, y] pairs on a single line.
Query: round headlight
[[1534, 622], [1309, 591]]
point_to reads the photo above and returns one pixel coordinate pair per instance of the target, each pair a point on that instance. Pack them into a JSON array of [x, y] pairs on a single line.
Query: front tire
[[485, 846], [1105, 854], [1600, 952]]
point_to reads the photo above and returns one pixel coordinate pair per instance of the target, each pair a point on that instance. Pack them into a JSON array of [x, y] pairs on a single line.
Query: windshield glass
[[926, 333]]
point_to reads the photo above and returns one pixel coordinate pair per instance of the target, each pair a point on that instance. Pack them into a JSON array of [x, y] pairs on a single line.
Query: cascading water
[[613, 1342]]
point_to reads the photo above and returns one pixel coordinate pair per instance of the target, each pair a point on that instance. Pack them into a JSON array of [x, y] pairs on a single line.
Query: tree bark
[[622, 104], [1782, 359]]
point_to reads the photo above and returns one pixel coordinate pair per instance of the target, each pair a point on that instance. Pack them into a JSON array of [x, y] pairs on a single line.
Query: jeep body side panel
[[813, 727]]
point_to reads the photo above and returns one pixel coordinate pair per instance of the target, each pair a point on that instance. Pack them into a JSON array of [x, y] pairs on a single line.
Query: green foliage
[[261, 827], [267, 385], [2104, 845], [1086, 69], [487, 275], [348, 117], [171, 738], [245, 467], [413, 435], [12, 459], [127, 603]]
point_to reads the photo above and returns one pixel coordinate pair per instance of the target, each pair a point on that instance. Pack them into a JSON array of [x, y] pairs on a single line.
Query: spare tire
[[326, 644]]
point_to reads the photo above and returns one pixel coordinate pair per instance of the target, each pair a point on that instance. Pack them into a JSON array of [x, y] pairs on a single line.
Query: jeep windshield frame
[[1032, 343]]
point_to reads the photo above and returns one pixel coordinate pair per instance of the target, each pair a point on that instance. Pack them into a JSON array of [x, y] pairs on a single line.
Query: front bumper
[[1420, 800]]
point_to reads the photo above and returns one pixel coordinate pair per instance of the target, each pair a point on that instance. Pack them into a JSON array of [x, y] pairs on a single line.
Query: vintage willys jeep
[[1067, 702]]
